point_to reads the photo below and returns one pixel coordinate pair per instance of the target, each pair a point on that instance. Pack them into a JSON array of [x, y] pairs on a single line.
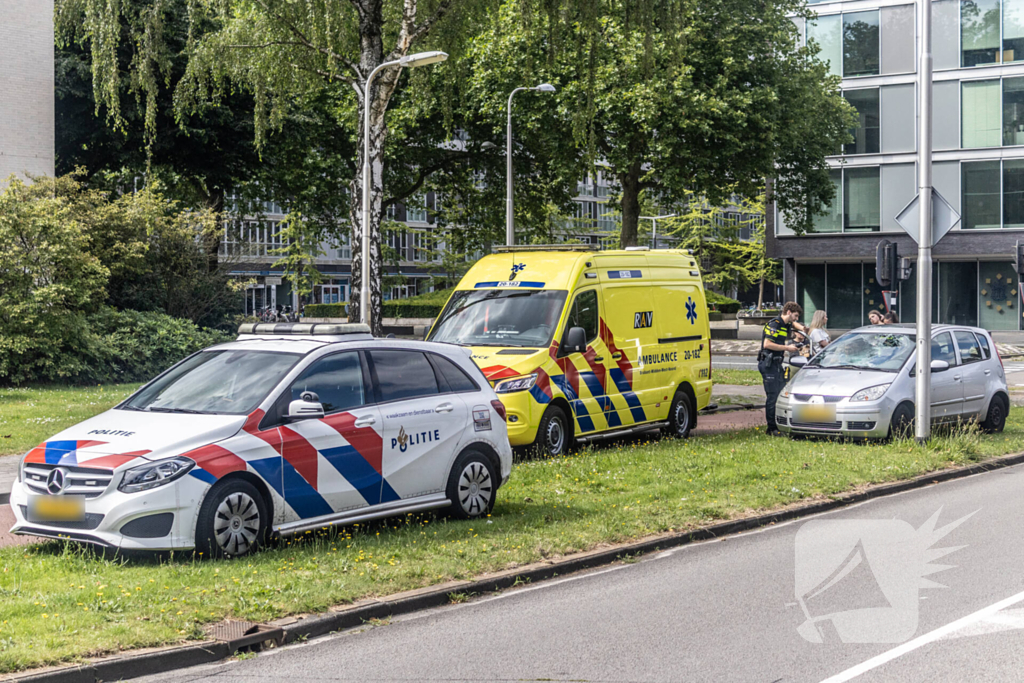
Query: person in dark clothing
[[774, 344]]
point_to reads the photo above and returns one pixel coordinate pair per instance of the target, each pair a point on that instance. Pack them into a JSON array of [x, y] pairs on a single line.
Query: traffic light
[[1020, 260], [887, 262]]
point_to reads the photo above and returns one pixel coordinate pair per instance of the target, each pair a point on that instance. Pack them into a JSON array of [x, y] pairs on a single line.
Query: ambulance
[[580, 343]]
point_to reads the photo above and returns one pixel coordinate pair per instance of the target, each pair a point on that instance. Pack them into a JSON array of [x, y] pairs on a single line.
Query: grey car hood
[[832, 382]]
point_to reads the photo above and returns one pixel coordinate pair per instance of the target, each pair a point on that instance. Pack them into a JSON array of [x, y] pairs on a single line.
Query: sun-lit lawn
[[738, 377], [59, 603], [30, 415]]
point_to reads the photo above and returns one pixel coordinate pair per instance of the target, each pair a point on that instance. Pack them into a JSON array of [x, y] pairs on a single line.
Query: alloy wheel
[[475, 488], [236, 523]]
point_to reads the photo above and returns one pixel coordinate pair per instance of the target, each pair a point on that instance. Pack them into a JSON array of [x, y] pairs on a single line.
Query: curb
[[123, 666], [5, 498]]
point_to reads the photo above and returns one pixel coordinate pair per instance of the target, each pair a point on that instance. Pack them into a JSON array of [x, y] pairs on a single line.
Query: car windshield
[[884, 351], [225, 382], [500, 317]]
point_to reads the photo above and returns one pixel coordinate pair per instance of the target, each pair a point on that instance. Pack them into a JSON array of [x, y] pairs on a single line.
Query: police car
[[291, 427]]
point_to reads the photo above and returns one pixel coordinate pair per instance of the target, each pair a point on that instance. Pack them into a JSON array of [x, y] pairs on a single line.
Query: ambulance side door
[[627, 328], [583, 374]]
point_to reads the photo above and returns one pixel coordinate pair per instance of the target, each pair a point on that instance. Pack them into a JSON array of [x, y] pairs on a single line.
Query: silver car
[[862, 384]]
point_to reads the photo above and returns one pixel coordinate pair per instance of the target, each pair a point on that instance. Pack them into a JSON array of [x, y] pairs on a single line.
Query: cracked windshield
[[500, 317], [878, 351]]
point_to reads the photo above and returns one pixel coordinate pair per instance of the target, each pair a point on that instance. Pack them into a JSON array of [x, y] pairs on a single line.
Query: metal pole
[[924, 240], [510, 231], [654, 235], [364, 285]]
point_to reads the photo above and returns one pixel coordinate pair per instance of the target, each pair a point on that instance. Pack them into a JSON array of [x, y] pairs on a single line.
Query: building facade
[[978, 161], [26, 88]]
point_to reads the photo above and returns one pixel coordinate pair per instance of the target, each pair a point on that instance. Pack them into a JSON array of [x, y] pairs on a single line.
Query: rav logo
[[516, 269], [643, 320], [403, 440]]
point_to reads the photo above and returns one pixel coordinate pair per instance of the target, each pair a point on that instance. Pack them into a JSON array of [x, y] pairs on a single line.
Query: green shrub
[[100, 348], [721, 303], [324, 310]]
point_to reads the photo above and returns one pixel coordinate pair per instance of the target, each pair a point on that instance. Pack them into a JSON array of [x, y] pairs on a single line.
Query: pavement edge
[[133, 665]]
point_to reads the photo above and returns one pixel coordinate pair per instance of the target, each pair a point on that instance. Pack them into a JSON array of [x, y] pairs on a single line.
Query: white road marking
[[939, 633]]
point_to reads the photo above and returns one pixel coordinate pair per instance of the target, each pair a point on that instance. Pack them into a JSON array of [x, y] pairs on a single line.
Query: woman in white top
[[819, 331]]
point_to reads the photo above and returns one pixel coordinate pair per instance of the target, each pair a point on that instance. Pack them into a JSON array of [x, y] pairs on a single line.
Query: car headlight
[[518, 384], [786, 389], [871, 393], [154, 474]]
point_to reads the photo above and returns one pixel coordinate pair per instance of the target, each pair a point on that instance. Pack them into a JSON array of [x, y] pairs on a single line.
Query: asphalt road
[[727, 610], [734, 362]]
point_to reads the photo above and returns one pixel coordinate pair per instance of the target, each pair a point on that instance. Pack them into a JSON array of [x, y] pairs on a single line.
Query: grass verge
[[747, 378], [59, 602], [30, 415]]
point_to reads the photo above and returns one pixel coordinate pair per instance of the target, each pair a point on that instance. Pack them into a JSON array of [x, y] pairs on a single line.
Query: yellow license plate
[[815, 412], [56, 509]]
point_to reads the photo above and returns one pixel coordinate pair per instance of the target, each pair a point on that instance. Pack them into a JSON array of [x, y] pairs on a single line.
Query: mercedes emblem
[[57, 481]]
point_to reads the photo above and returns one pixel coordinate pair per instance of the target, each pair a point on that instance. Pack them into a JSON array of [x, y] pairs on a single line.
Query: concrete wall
[[26, 87]]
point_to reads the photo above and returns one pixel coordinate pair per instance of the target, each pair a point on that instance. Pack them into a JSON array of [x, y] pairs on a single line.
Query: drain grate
[[239, 634]]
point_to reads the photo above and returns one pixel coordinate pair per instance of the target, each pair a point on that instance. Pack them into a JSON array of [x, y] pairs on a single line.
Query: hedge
[[721, 303], [401, 308]]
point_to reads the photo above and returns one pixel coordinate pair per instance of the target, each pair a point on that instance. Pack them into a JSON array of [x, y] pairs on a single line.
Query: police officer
[[774, 344]]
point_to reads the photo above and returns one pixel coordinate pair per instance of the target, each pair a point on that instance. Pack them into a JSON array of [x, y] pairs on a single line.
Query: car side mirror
[[575, 341], [797, 361], [308, 406], [940, 366]]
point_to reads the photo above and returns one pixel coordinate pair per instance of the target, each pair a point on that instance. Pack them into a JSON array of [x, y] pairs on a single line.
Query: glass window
[[826, 32], [908, 296], [844, 295], [861, 198], [980, 195], [336, 379], [872, 300], [899, 110], [882, 351], [1013, 30], [997, 305], [897, 51], [1013, 111], [500, 317], [899, 187], [945, 34], [403, 375], [810, 287], [1013, 193], [946, 121], [227, 382], [860, 44], [942, 348], [970, 350], [866, 134], [980, 113], [986, 350], [979, 32], [584, 314], [958, 293], [832, 220], [458, 381]]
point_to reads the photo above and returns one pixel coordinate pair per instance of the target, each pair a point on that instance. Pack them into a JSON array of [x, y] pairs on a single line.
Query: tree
[[675, 96]]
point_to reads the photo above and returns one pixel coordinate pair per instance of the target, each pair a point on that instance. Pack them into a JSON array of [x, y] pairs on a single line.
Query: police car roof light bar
[[303, 328]]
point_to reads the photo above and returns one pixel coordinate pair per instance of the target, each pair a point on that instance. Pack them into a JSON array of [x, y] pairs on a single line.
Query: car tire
[[680, 416], [233, 520], [996, 418], [901, 424], [553, 434], [472, 486]]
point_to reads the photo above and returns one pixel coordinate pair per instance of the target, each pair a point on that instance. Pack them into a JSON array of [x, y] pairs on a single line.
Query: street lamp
[[411, 61], [654, 221], [510, 237]]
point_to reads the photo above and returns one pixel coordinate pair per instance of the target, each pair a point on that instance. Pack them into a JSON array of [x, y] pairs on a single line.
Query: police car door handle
[[444, 408], [365, 421], [988, 372]]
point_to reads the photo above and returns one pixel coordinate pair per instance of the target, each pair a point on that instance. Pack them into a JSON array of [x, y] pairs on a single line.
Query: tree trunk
[[630, 184], [372, 55], [760, 293]]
